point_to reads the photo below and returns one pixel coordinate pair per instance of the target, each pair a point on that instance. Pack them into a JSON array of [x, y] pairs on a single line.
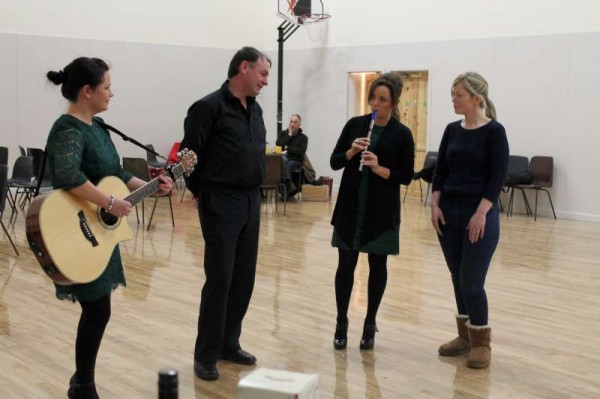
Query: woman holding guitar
[[80, 153]]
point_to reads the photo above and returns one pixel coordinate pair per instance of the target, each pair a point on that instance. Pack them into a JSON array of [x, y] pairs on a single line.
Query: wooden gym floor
[[543, 289]]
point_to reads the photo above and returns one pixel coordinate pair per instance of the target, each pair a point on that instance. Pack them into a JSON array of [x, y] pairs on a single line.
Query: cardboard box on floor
[[266, 383], [315, 193]]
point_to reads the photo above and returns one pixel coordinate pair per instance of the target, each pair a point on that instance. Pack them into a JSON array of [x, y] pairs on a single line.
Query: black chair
[[43, 180], [274, 181], [541, 170], [139, 168], [425, 174], [21, 180], [3, 191], [4, 156], [22, 151], [152, 160], [131, 165], [38, 156], [517, 174]]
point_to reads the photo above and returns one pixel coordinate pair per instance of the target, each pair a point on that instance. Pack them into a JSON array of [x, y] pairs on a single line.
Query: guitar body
[[73, 239]]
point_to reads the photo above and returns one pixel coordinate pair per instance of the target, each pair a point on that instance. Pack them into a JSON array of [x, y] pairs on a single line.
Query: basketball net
[[316, 24]]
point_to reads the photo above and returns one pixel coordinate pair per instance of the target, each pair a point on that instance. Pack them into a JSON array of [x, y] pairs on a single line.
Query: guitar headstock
[[188, 160]]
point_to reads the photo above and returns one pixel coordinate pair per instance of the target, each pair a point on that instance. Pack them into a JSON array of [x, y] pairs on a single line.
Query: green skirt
[[112, 277]]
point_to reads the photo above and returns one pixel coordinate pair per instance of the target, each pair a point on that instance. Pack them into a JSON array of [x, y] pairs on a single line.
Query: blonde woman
[[470, 173]]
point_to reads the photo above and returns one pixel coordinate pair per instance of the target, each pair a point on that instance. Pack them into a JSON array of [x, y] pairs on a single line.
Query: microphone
[[373, 116]]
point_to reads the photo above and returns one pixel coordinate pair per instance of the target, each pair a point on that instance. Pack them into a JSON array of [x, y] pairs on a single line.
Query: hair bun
[[56, 77]]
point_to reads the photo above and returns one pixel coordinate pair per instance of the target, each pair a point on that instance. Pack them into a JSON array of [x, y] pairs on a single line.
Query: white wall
[[545, 90], [545, 87], [374, 22], [153, 85], [227, 23], [202, 23]]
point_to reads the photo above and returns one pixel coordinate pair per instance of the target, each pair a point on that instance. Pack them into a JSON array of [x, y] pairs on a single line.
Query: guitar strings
[[148, 189]]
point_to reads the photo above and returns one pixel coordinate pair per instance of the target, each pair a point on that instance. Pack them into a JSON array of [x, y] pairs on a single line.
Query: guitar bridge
[[85, 229]]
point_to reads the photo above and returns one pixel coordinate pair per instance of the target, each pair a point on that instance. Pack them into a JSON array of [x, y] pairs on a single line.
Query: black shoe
[[78, 391], [239, 356], [340, 338], [73, 380], [206, 371], [368, 338]]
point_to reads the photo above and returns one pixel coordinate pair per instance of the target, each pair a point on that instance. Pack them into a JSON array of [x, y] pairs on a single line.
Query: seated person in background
[[295, 142]]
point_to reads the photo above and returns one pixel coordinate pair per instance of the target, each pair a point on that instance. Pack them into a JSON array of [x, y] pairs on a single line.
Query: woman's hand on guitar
[[166, 185], [120, 208]]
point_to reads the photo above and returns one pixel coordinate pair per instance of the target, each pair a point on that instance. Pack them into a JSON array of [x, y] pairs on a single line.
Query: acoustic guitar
[[73, 239]]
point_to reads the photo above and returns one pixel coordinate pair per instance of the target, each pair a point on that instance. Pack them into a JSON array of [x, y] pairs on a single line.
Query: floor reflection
[[372, 389], [468, 383], [4, 315], [341, 367]]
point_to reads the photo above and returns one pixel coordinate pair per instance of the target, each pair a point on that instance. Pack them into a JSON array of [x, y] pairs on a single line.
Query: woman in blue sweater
[[367, 212], [470, 173]]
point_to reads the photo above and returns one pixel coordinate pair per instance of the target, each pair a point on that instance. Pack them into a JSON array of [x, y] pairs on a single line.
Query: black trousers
[[230, 222]]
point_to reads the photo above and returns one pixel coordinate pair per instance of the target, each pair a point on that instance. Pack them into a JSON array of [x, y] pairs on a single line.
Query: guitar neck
[[151, 187]]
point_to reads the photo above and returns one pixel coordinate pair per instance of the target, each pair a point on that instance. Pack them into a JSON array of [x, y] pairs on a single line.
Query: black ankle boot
[[78, 391], [368, 337], [340, 338]]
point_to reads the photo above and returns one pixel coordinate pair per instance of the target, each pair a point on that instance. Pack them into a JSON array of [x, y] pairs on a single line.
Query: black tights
[[344, 280], [93, 321]]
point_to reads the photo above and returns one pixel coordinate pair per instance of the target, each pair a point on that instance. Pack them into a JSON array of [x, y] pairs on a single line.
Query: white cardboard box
[[266, 383]]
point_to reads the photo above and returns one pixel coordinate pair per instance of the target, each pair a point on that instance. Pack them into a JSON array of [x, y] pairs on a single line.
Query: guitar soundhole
[[107, 219]]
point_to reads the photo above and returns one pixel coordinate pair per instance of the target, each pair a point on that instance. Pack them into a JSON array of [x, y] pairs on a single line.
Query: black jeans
[[230, 221], [468, 263]]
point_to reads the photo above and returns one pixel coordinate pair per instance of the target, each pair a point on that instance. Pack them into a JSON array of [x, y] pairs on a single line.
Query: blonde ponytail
[[477, 86]]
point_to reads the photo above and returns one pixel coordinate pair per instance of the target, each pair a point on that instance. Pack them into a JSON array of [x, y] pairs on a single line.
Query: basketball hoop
[[307, 19], [310, 14]]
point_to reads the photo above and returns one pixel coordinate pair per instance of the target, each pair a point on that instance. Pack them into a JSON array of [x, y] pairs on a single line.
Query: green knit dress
[[388, 242], [78, 152]]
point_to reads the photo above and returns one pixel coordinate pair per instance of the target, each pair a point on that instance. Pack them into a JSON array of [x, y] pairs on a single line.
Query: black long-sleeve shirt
[[472, 162], [228, 139], [295, 145]]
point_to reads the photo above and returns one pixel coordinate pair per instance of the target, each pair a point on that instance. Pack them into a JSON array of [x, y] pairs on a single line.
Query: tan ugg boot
[[460, 344], [481, 351]]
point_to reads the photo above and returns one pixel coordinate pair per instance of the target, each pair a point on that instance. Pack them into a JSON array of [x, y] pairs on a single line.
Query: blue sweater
[[472, 162]]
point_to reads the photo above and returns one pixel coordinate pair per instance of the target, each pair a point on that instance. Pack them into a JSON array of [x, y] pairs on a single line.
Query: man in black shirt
[[227, 132], [294, 142]]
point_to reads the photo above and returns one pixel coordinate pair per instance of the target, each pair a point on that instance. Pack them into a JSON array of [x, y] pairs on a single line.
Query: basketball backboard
[[301, 12]]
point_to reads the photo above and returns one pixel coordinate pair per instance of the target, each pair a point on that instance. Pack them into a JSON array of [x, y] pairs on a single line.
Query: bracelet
[[111, 203]]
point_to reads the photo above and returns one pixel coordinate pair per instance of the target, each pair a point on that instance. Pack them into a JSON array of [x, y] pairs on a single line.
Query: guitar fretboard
[[151, 187]]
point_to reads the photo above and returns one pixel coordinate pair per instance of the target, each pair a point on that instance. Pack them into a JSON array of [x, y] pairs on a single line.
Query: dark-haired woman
[[80, 153], [470, 172], [367, 212]]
